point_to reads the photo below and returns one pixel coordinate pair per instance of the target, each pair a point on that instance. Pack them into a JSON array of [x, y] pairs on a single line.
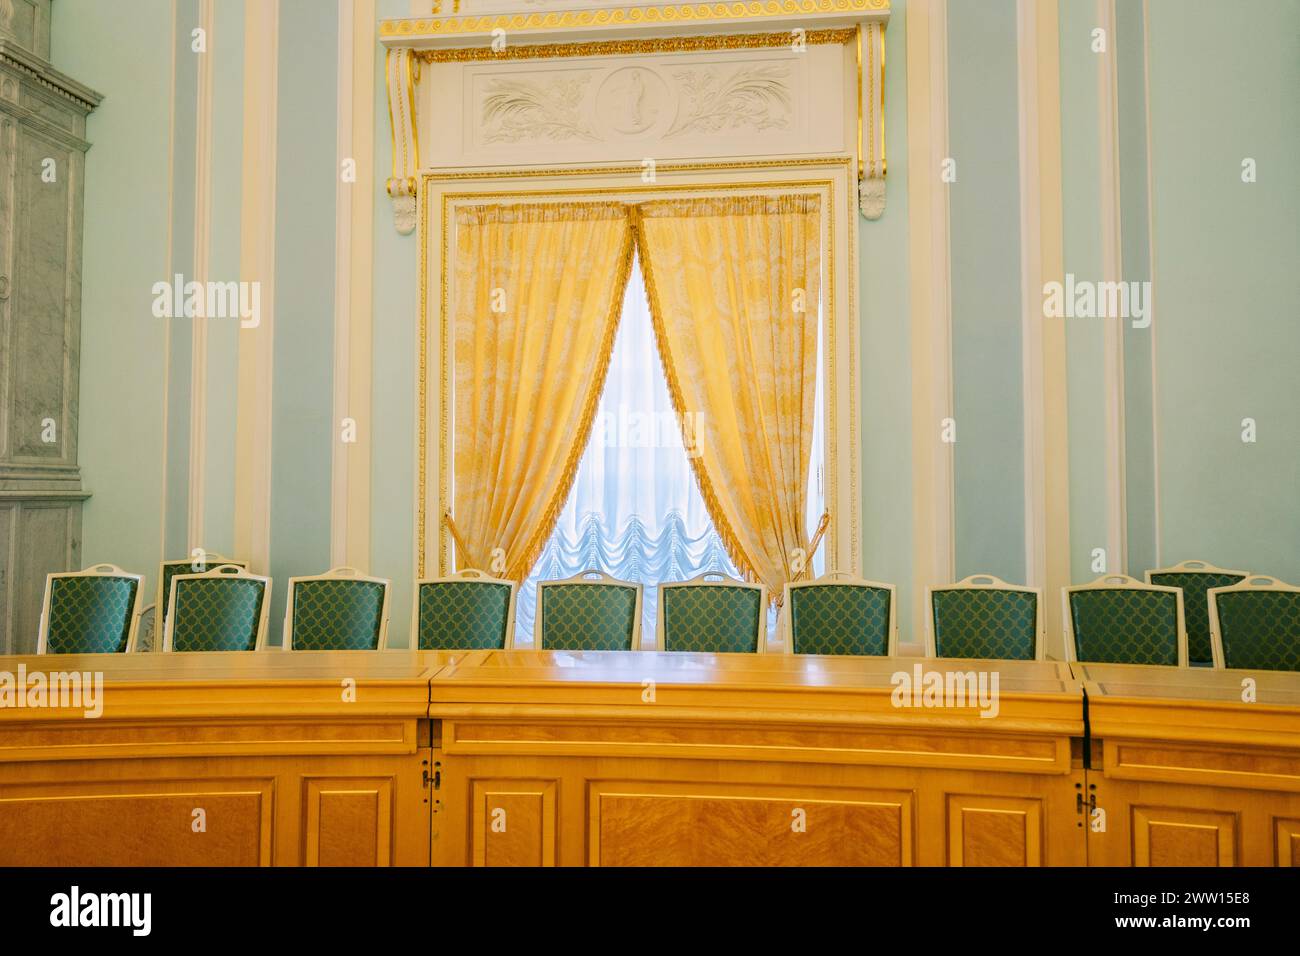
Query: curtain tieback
[[816, 542], [460, 542]]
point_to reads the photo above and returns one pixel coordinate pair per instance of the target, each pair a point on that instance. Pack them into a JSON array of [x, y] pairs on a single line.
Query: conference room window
[[635, 511]]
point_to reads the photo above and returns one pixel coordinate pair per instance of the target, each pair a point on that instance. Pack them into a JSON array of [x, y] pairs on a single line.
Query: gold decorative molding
[[870, 38], [686, 44], [630, 30], [629, 15], [401, 74]]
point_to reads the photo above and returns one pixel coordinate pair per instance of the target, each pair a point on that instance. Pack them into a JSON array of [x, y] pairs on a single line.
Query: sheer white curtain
[[635, 511]]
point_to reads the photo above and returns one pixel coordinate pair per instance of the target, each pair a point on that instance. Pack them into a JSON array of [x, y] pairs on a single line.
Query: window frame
[[441, 191]]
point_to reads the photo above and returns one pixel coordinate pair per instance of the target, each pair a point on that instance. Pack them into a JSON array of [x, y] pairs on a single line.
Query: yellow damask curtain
[[734, 286], [537, 300]]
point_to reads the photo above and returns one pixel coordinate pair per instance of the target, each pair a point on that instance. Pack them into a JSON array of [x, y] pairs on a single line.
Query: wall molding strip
[[1047, 472], [353, 273], [932, 458], [1152, 302], [1112, 265], [257, 264], [202, 264]]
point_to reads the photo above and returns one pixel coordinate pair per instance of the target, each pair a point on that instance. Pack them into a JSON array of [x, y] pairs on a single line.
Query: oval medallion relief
[[632, 100]]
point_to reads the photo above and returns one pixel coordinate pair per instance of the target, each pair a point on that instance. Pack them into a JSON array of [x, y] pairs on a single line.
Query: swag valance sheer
[[734, 288]]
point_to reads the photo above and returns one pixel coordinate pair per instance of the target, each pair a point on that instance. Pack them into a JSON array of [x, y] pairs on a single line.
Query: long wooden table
[[523, 757]]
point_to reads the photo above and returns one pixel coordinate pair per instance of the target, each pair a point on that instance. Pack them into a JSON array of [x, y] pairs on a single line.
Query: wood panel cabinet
[[1193, 767], [42, 163], [646, 759], [221, 759]]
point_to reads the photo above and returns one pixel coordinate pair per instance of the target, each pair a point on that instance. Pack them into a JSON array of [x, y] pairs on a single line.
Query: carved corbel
[[402, 72], [871, 119]]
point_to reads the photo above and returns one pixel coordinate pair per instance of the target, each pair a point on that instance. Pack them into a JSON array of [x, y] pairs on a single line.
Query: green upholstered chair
[[224, 609], [588, 612], [340, 610], [199, 562], [839, 614], [1119, 620], [95, 611], [467, 611], [712, 613], [1255, 625], [984, 617], [1196, 578]]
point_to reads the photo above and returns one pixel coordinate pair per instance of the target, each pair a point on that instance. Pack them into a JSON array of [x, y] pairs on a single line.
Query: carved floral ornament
[[610, 84]]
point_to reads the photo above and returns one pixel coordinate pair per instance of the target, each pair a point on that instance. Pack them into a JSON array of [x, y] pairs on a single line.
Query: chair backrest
[[588, 612], [712, 613], [469, 610], [1119, 620], [224, 609], [340, 610], [94, 611], [169, 569], [840, 614], [982, 616], [1255, 625], [1196, 578]]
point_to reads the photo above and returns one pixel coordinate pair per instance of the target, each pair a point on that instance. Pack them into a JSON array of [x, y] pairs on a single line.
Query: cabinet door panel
[[41, 312]]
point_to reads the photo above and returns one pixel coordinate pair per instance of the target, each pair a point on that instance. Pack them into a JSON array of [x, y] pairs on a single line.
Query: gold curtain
[[538, 295], [734, 285]]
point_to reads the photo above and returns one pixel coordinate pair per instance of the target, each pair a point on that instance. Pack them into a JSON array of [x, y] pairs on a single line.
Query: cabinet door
[[37, 537], [44, 303]]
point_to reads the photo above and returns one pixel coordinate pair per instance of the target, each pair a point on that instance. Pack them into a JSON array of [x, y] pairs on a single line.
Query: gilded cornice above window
[[463, 33]]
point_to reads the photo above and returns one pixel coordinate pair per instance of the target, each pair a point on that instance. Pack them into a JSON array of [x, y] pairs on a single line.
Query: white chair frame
[[460, 577], [222, 571], [589, 577], [1120, 582], [1253, 582], [986, 582], [1192, 567], [337, 574], [213, 560], [94, 571], [714, 579], [786, 619]]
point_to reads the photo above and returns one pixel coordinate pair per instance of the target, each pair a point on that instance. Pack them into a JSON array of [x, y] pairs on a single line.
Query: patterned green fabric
[[90, 614], [587, 617], [711, 618], [1196, 606], [172, 568], [1260, 629], [217, 614], [840, 619], [1125, 626], [337, 615], [985, 623], [463, 615]]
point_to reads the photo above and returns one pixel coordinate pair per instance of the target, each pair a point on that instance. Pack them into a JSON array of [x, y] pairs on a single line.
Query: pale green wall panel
[[984, 236], [303, 366], [886, 344], [1139, 424], [396, 337], [1081, 206], [1226, 281], [127, 59]]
